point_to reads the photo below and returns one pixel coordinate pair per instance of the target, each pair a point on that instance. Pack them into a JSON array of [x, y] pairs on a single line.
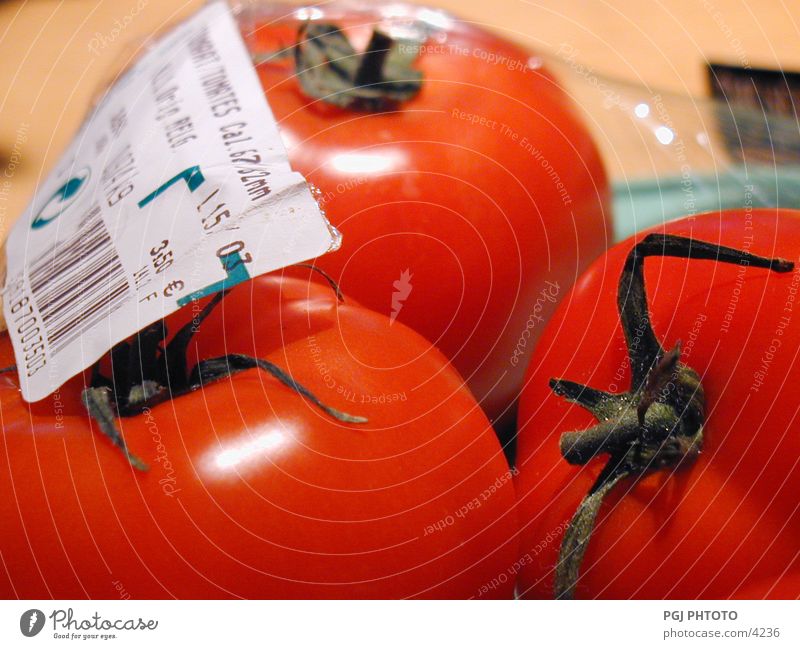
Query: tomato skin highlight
[[732, 517], [253, 491], [486, 187]]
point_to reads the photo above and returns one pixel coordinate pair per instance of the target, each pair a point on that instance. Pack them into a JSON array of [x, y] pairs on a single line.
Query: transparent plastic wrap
[[671, 155]]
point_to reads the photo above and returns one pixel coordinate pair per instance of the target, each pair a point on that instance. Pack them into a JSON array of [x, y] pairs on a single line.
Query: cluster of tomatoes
[[408, 438]]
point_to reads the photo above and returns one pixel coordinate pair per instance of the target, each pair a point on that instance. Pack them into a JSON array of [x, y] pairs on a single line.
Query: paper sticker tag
[[176, 186]]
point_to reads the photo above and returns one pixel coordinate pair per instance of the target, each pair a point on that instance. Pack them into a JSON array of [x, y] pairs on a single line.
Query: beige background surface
[[56, 53]]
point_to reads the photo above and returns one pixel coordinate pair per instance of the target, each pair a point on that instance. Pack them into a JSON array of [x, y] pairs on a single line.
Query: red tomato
[[252, 490], [468, 209], [784, 586], [731, 517]]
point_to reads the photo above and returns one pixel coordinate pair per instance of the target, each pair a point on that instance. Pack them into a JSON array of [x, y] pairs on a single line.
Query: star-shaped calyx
[[659, 422]]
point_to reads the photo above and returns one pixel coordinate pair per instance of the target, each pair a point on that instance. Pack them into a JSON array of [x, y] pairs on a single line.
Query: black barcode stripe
[[63, 257], [78, 282], [72, 286], [88, 318]]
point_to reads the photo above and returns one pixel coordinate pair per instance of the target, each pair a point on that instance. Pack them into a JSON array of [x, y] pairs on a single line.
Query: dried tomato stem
[[145, 373], [97, 402], [370, 69], [576, 538], [658, 423], [644, 348], [331, 282], [328, 68]]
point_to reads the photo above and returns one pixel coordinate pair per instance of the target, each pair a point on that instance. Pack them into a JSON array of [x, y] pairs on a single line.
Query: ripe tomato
[[468, 208], [705, 528], [252, 490], [784, 586]]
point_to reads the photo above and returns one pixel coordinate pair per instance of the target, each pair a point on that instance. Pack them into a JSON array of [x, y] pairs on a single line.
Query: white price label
[[176, 186]]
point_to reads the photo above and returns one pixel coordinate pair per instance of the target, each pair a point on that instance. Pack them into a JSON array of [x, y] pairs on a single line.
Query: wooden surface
[[56, 54]]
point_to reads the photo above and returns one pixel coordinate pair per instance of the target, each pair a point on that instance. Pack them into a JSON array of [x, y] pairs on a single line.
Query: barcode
[[78, 282]]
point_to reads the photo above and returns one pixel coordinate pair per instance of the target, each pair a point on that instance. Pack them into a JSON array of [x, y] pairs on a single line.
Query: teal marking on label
[[61, 199], [193, 177], [70, 188], [236, 276]]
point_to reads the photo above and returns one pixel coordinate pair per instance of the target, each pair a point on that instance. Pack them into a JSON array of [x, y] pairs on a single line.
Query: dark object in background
[[757, 116]]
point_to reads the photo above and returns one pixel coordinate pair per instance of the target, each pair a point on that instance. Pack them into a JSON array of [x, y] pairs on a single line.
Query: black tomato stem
[[658, 423], [329, 68], [147, 371]]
